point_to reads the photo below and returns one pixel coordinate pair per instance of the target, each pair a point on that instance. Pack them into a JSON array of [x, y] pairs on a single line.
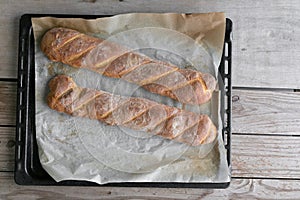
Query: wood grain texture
[[7, 148], [254, 112], [266, 34], [266, 156], [8, 95], [252, 155], [262, 112], [265, 54], [239, 189], [266, 112]]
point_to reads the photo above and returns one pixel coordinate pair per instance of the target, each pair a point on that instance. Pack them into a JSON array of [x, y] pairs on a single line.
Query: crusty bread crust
[[135, 113], [83, 51]]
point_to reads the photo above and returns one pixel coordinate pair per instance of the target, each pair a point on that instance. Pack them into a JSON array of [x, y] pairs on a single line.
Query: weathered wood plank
[[253, 111], [239, 189], [265, 40], [7, 148], [252, 156], [266, 112], [8, 103], [265, 156]]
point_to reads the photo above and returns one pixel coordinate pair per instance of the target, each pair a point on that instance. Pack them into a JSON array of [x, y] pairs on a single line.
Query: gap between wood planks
[[9, 79], [266, 89], [266, 134]]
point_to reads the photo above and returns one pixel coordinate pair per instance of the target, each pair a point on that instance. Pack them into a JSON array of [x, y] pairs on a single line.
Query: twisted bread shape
[[134, 113], [110, 59]]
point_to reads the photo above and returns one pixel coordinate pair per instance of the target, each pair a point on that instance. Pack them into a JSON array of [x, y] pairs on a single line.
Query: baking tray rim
[[26, 146]]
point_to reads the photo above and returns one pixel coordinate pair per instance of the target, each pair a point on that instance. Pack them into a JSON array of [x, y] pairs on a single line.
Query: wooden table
[[266, 98]]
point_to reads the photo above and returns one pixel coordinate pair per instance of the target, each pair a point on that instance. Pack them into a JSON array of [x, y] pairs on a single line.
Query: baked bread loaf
[[110, 59], [134, 113]]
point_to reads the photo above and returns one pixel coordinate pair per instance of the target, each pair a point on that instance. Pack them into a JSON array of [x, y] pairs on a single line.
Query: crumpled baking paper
[[72, 148]]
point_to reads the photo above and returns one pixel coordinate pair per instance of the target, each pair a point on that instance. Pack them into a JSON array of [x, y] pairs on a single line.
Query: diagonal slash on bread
[[110, 59], [131, 112]]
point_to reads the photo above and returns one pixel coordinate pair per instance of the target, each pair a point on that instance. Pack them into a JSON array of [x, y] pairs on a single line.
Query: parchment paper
[[73, 148]]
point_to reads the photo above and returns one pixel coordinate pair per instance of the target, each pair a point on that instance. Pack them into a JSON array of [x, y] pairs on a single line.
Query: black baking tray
[[28, 169]]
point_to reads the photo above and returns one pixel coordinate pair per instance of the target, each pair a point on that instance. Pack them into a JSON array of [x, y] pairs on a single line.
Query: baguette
[[134, 113], [110, 59]]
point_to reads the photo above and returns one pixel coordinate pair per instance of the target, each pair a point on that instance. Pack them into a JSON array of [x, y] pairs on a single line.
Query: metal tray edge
[[22, 174]]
